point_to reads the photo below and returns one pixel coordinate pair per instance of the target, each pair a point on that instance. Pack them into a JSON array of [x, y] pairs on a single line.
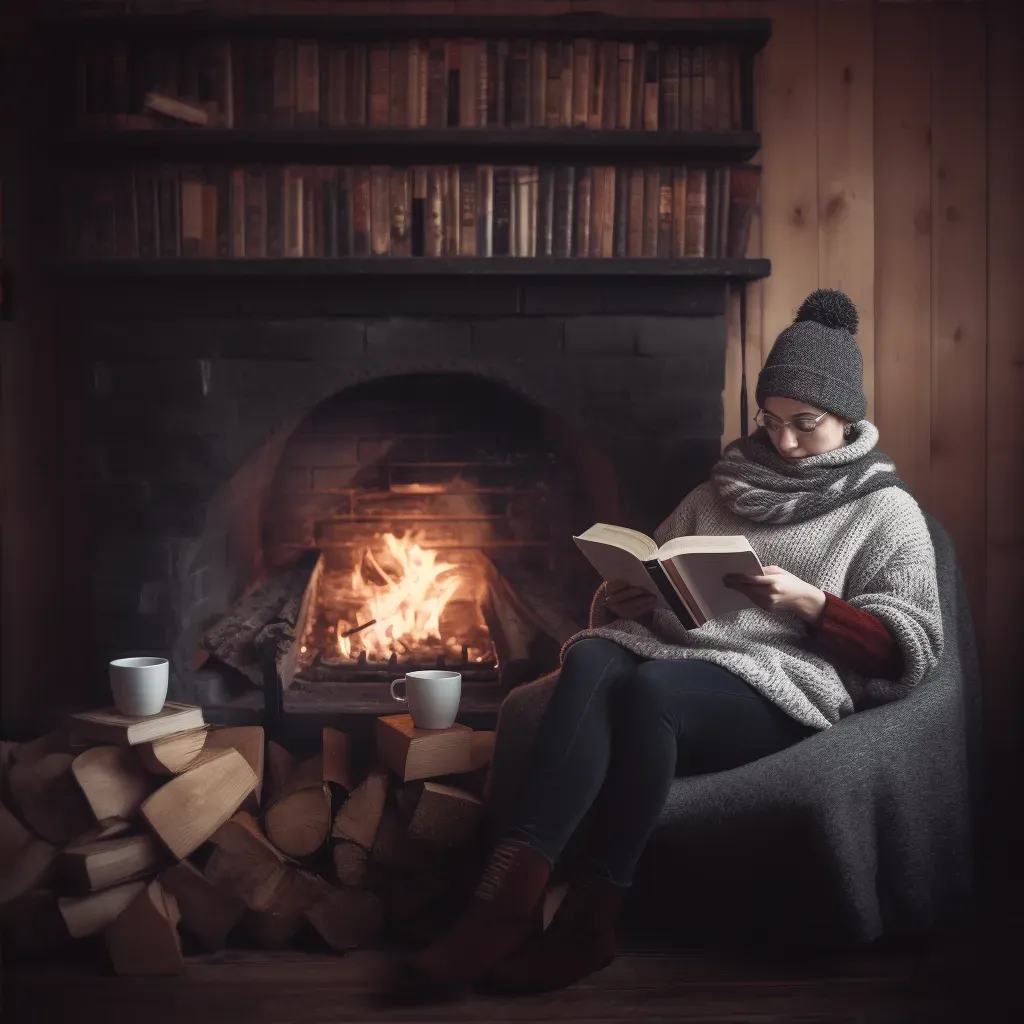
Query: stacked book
[[265, 83], [431, 211]]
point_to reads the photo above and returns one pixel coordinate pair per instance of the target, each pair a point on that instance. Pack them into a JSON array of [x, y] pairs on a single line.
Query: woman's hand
[[780, 591], [629, 602]]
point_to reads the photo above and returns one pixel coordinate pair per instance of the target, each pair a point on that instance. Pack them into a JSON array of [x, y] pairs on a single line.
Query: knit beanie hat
[[817, 359]]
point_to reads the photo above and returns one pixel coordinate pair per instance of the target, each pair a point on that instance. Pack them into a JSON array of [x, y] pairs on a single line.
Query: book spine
[[635, 220], [485, 211], [553, 85], [672, 597], [519, 84], [679, 211], [668, 117], [307, 83], [665, 214], [380, 211], [346, 239], [276, 212], [401, 236], [434, 241], [361, 211], [398, 85], [610, 62], [581, 92], [452, 214], [546, 213], [625, 96], [380, 81], [696, 210], [620, 230], [293, 205], [419, 211], [467, 211], [357, 92], [502, 231], [437, 84], [584, 194], [652, 207], [685, 83], [538, 83], [284, 89]]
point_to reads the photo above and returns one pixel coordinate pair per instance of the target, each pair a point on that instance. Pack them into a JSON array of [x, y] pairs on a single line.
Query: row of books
[[436, 211], [435, 83]]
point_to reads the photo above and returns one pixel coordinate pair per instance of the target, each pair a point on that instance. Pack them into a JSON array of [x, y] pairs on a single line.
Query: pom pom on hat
[[817, 359], [830, 308]]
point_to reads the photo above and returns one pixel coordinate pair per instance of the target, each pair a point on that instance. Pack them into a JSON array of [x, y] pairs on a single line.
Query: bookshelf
[[496, 266], [600, 150]]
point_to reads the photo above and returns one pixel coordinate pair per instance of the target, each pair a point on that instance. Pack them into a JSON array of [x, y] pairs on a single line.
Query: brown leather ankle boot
[[501, 918], [579, 941]]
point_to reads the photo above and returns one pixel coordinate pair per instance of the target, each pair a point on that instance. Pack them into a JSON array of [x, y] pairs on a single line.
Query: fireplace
[[393, 476], [441, 509]]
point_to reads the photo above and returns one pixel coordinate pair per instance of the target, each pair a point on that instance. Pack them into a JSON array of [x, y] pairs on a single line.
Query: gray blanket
[[860, 831]]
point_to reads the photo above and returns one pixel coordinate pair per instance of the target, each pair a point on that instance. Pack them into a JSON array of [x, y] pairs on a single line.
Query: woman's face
[[790, 442]]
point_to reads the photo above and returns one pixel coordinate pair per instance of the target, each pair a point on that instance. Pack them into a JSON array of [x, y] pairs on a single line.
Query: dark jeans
[[623, 727]]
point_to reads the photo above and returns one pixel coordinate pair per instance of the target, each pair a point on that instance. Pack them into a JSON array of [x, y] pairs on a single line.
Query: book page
[[680, 545], [703, 571], [633, 541], [614, 563]]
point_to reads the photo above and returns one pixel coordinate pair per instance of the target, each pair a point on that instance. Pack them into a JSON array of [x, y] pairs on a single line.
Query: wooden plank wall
[[893, 161]]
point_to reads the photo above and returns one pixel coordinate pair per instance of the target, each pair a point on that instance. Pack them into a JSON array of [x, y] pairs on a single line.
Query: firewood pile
[[147, 832]]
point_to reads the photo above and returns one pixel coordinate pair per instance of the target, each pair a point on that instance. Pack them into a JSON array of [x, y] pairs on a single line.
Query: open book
[[685, 573]]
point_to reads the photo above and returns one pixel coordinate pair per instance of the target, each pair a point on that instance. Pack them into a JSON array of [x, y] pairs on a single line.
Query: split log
[[285, 915], [249, 741], [85, 915], [25, 861], [32, 923], [347, 917], [89, 867], [280, 765], [48, 798], [337, 759], [413, 753], [391, 846], [445, 815], [298, 819], [57, 741], [207, 911], [350, 863], [171, 755], [359, 817], [244, 864], [186, 811], [481, 755], [144, 938], [113, 780], [107, 828]]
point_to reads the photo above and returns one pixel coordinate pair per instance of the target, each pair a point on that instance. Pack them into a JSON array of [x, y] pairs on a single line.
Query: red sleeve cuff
[[858, 639]]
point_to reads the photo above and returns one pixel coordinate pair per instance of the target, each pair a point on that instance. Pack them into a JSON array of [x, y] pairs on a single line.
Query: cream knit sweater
[[875, 552]]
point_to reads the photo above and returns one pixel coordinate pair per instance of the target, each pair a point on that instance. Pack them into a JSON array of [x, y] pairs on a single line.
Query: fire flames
[[399, 598]]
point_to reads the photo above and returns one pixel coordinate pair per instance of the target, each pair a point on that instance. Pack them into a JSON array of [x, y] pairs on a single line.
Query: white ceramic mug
[[433, 697], [139, 685]]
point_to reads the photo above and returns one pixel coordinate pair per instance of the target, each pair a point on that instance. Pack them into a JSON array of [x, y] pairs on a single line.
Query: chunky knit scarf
[[753, 481]]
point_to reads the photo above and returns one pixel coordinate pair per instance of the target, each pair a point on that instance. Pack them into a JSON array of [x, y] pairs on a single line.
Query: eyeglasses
[[806, 423]]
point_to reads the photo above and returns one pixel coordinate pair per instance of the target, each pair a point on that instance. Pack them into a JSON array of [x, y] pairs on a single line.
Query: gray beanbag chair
[[860, 831]]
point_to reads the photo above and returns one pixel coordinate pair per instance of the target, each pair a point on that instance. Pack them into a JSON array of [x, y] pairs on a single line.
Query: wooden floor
[[894, 987]]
